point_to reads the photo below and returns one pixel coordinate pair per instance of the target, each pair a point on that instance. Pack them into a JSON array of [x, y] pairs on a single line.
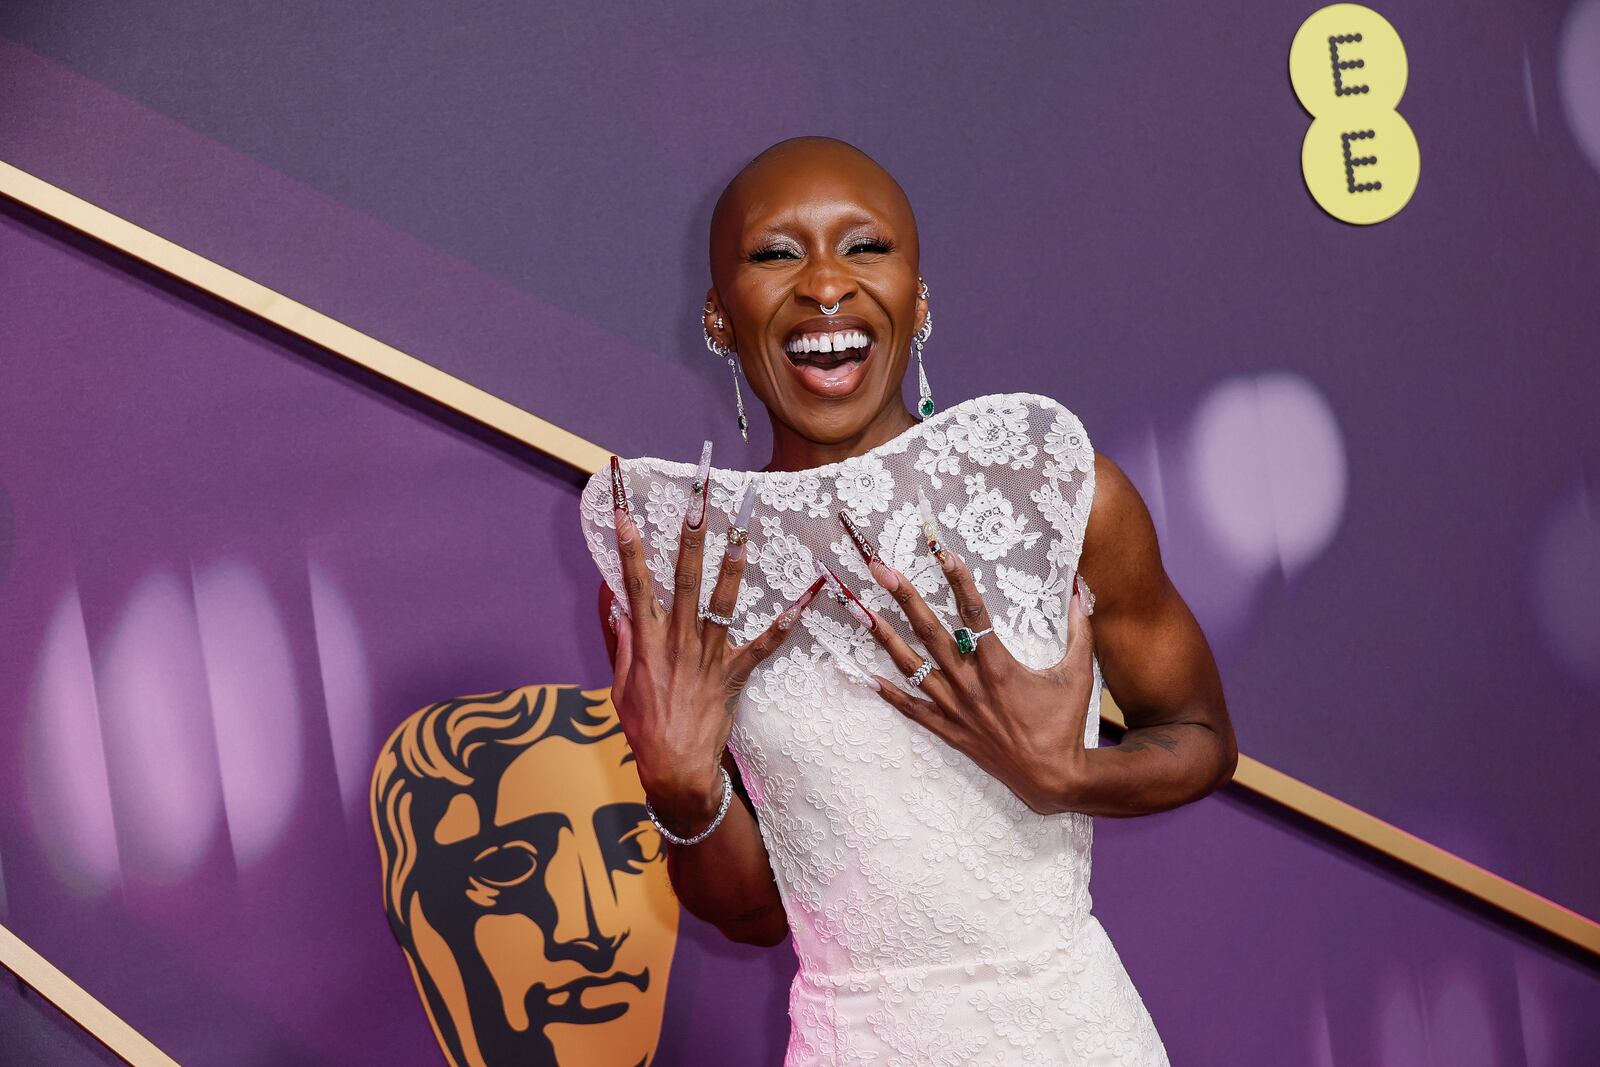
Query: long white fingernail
[[852, 672], [739, 528], [701, 488]]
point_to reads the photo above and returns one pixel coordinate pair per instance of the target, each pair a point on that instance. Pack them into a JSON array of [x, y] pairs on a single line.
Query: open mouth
[[828, 355]]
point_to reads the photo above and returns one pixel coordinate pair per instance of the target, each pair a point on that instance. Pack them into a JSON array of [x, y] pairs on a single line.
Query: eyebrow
[[849, 223]]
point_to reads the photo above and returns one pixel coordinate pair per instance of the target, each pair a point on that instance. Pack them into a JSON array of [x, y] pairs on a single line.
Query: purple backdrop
[[1369, 453]]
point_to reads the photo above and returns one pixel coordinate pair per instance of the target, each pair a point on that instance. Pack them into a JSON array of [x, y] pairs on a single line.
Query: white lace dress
[[937, 919]]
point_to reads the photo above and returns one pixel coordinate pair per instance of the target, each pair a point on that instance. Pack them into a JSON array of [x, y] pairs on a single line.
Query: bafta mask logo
[[524, 881]]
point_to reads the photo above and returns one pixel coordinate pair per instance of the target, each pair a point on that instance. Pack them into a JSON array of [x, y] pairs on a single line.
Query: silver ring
[[834, 310], [917, 676], [720, 620]]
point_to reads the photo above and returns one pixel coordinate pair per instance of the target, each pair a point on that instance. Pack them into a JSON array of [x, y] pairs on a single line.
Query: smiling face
[[810, 223]]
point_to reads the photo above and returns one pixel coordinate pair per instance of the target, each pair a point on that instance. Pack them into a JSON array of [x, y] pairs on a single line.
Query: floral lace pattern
[[937, 919]]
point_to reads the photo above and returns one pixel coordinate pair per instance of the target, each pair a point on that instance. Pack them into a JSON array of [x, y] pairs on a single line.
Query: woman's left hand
[[1023, 726]]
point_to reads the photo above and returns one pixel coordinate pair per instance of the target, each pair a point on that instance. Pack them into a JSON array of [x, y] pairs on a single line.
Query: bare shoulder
[[1119, 546]]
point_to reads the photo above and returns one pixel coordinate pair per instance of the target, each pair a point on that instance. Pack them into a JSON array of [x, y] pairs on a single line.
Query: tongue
[[820, 359], [828, 374]]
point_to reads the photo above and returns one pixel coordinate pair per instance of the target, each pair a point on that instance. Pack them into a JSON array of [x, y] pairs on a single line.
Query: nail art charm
[[739, 527], [930, 525], [1085, 594], [843, 595], [868, 550], [852, 672], [701, 489], [792, 612]]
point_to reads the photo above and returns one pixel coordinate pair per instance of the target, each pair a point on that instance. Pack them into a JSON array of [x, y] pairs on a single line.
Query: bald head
[[785, 171]]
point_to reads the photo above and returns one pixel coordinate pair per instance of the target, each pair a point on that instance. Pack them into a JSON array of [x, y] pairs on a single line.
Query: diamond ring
[[917, 676], [721, 620], [967, 641]]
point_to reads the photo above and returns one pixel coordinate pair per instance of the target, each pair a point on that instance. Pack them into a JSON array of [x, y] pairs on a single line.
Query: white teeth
[[829, 342]]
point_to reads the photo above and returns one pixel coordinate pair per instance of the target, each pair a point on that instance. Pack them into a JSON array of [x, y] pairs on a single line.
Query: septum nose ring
[[830, 310]]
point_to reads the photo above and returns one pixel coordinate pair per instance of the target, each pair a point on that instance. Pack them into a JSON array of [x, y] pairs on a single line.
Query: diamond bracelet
[[727, 797]]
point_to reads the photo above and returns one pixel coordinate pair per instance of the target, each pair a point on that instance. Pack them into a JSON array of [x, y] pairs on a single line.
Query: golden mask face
[[536, 910]]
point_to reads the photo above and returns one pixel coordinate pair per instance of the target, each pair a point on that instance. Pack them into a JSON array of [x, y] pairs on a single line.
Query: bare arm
[[1155, 660]]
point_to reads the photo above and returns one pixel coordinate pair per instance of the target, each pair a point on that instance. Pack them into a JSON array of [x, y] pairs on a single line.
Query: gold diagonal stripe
[[302, 321], [77, 1005], [491, 411]]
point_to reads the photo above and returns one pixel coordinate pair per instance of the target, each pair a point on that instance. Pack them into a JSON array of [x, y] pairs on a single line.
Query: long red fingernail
[[809, 595], [619, 486], [853, 604], [792, 612], [868, 550]]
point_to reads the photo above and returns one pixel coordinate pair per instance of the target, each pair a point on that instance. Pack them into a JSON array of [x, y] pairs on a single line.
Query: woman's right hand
[[676, 676]]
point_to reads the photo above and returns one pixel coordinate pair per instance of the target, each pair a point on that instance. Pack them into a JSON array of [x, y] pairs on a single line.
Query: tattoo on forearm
[[1150, 737]]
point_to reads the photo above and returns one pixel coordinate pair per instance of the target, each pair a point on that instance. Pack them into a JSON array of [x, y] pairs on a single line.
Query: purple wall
[[1369, 451]]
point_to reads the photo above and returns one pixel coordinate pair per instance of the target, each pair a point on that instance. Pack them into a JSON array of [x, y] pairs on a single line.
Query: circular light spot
[[1268, 471], [160, 750], [69, 796], [346, 685], [1578, 76], [1566, 586], [255, 704]]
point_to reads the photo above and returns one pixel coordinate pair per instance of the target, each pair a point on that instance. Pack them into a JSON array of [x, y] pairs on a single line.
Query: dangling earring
[[733, 365], [924, 394]]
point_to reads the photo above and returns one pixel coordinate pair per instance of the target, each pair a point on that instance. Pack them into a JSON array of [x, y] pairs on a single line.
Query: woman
[[932, 866]]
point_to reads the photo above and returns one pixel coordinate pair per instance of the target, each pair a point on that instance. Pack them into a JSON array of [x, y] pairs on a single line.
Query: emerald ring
[[967, 641]]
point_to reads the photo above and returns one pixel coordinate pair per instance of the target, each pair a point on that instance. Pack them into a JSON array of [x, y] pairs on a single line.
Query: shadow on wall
[[524, 881]]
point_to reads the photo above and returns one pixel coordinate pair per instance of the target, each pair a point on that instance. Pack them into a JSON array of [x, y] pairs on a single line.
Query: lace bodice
[[937, 919]]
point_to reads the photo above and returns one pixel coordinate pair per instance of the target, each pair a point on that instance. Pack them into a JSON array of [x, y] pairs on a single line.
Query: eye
[[870, 245], [505, 865], [641, 845], [765, 255]]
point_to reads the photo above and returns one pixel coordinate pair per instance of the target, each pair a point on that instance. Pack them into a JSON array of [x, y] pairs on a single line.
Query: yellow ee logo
[[1360, 158]]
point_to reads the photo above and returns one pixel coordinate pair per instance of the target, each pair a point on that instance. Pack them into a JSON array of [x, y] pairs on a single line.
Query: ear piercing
[[723, 352]]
